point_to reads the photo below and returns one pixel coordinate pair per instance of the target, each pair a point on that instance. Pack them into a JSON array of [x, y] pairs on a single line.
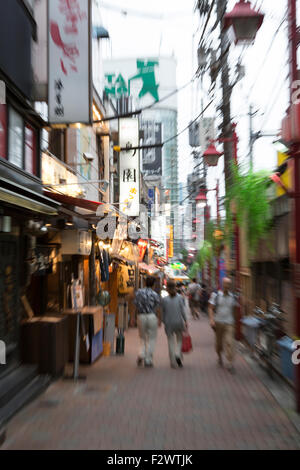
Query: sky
[[141, 33]]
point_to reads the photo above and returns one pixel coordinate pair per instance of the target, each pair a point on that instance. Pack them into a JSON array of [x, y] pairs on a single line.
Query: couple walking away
[[171, 311]]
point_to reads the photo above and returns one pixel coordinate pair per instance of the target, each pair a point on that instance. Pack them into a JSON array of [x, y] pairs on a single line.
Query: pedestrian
[[222, 319], [194, 298], [147, 302], [204, 299], [175, 321], [179, 288]]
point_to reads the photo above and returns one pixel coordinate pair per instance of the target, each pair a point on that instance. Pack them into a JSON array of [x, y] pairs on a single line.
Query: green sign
[[117, 86]]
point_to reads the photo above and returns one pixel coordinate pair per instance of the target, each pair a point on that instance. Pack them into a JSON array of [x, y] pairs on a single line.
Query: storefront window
[[3, 131], [30, 149], [16, 132]]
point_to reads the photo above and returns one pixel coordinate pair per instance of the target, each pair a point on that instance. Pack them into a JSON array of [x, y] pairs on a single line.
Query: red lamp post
[[245, 22], [211, 155], [201, 199], [209, 151]]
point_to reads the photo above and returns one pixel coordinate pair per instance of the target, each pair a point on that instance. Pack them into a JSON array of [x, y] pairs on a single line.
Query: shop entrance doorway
[[9, 301]]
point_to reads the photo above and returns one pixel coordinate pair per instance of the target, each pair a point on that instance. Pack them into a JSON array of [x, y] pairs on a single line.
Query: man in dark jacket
[[147, 301]]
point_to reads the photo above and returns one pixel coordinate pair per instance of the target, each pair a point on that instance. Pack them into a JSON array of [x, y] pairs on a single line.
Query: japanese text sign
[[129, 167], [69, 61]]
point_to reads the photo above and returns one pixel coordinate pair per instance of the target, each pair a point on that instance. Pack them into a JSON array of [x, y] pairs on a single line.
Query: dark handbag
[[186, 342]]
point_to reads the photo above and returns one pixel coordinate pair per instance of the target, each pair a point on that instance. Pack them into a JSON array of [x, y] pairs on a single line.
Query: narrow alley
[[121, 406]]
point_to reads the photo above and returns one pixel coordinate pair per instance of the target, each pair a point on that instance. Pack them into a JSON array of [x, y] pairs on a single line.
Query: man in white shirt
[[222, 319], [194, 290]]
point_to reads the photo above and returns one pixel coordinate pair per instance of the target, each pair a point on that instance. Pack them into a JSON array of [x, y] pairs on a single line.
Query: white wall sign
[[200, 225], [207, 132], [69, 61], [129, 167], [144, 79]]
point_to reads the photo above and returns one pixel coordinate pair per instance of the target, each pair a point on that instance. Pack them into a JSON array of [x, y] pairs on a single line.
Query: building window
[[57, 143], [30, 149], [22, 143], [16, 138], [3, 131]]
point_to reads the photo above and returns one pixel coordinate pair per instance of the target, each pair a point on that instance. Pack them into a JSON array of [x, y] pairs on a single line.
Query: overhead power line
[[266, 55], [151, 16]]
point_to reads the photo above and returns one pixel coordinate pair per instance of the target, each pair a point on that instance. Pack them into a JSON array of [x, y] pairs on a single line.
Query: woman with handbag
[[175, 321]]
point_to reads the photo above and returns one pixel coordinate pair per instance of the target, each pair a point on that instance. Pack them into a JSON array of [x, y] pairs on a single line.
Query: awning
[[74, 201], [20, 200], [150, 268], [122, 259]]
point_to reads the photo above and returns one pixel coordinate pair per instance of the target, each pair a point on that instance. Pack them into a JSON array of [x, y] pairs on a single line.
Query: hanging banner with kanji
[[129, 167], [69, 71]]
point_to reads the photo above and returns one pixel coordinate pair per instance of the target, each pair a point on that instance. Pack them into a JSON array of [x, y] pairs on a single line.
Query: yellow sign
[[218, 234], [171, 241], [286, 178]]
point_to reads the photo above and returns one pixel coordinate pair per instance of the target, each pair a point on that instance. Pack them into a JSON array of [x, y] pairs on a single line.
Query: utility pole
[[229, 137], [226, 92], [251, 139]]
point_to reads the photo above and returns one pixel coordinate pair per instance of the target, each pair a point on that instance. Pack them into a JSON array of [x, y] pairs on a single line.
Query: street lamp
[[245, 22], [201, 199], [211, 155], [212, 151]]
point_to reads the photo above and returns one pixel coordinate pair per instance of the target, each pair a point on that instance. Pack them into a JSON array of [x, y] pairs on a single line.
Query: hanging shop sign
[[200, 224], [152, 157], [151, 199], [171, 242], [69, 71], [207, 132], [286, 178], [129, 167], [119, 235], [142, 245]]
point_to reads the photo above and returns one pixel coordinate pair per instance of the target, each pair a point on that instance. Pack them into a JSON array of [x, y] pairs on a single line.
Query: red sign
[[142, 244]]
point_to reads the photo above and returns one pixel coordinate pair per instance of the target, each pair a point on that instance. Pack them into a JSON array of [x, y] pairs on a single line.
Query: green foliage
[[185, 254], [193, 272], [205, 253], [249, 192]]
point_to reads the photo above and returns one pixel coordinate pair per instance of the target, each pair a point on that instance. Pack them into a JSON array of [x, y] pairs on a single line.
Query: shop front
[[22, 225]]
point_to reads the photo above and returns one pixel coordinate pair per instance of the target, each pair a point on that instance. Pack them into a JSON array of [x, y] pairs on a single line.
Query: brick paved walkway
[[123, 407]]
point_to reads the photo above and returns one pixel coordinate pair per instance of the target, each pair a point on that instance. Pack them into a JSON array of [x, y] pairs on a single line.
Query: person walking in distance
[[204, 299], [147, 301], [222, 319], [174, 319], [194, 298]]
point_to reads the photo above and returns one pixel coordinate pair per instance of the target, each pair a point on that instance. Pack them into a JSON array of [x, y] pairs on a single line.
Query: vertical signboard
[[152, 157], [207, 132], [129, 167], [286, 178], [171, 241], [200, 225], [69, 74]]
